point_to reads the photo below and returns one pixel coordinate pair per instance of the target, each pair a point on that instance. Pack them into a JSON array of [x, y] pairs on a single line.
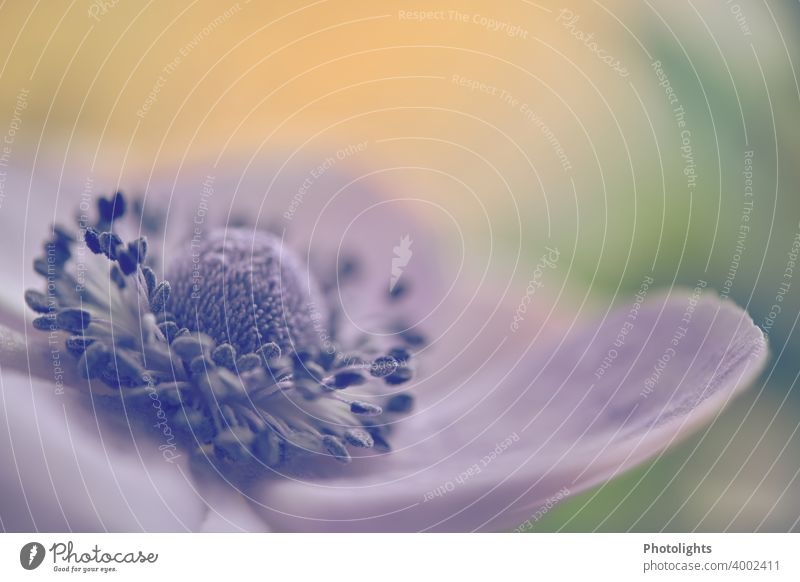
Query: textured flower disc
[[241, 287]]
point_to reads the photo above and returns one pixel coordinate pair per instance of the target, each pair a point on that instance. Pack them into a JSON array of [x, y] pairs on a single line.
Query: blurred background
[[652, 139]]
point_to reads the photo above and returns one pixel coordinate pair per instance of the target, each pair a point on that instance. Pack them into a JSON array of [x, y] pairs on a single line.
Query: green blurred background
[[508, 116]]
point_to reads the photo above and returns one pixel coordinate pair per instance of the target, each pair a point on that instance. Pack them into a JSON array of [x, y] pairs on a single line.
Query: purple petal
[[227, 509], [198, 505], [65, 471], [522, 435]]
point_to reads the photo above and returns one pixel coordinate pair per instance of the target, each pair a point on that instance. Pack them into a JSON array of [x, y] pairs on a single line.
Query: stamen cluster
[[237, 363]]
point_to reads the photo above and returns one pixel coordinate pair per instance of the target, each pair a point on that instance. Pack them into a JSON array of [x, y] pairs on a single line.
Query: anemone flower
[[241, 355]]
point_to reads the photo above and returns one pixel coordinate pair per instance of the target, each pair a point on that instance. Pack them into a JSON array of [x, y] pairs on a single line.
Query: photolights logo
[[402, 255], [31, 555]]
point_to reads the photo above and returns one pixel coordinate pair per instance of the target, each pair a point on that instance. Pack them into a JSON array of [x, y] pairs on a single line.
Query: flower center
[[241, 287], [229, 350]]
